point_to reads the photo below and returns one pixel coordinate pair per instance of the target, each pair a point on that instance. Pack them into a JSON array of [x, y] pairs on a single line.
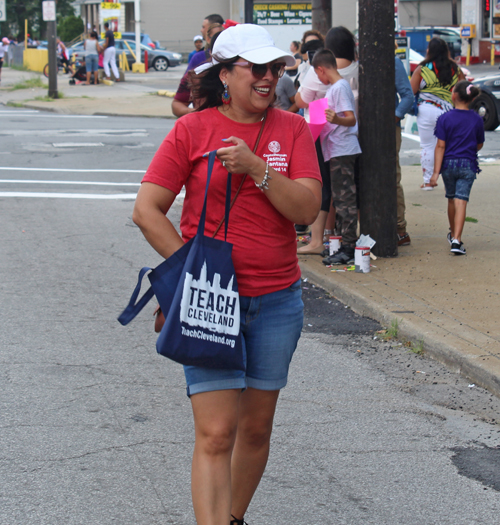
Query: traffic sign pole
[[49, 16]]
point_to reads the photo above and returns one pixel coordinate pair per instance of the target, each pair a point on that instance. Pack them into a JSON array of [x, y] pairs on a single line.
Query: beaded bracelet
[[264, 185]]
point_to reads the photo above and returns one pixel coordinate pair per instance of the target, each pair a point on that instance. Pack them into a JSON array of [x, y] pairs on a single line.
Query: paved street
[[96, 428]]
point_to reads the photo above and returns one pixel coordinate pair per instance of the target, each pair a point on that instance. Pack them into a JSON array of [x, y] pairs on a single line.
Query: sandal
[[236, 521]]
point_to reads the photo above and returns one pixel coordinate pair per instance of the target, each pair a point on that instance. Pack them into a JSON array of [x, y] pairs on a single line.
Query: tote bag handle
[[201, 224], [134, 308]]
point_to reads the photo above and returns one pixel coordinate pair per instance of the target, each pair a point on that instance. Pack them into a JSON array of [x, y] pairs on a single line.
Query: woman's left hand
[[238, 158]]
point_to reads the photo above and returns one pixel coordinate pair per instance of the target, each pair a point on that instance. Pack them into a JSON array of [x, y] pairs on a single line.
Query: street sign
[[3, 14], [49, 11]]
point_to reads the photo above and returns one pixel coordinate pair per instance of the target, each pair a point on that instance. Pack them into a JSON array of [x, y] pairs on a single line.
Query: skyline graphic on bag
[[209, 305]]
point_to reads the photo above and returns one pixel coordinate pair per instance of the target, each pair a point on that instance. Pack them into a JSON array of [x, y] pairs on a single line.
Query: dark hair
[[312, 45], [106, 25], [93, 34], [207, 87], [438, 54], [296, 43], [324, 58], [214, 19], [466, 91], [313, 32], [340, 41]]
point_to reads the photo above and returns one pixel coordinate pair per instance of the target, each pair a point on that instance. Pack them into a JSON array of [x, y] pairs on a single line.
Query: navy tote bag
[[198, 294]]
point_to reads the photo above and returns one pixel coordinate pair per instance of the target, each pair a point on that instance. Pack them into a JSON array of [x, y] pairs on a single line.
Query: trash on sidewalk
[[366, 240], [362, 259]]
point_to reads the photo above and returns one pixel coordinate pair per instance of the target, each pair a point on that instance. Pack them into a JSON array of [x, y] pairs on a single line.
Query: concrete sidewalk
[[136, 97], [451, 304]]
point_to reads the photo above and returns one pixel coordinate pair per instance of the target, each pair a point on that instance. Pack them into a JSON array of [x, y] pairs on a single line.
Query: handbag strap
[[241, 183], [132, 308]]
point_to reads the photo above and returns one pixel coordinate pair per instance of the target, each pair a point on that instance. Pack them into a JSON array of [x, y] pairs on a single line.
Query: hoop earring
[[226, 97]]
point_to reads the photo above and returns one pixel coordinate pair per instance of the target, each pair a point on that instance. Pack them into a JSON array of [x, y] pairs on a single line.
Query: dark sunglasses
[[260, 70]]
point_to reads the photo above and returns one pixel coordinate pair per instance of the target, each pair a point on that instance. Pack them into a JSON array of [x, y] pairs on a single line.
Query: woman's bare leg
[[215, 420], [317, 231], [251, 450]]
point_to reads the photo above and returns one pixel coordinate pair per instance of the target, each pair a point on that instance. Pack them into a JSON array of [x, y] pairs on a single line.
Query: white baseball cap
[[248, 41], [197, 37]]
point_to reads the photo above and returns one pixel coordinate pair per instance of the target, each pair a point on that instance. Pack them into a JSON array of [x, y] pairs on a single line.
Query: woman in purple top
[[460, 135]]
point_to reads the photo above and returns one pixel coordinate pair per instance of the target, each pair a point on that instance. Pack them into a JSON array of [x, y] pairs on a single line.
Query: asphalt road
[[96, 428]]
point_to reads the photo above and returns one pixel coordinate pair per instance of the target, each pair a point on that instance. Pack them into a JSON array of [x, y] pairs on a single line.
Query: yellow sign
[[116, 34], [110, 5]]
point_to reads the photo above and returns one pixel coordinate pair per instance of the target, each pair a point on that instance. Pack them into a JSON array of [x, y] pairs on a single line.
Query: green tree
[[70, 27], [20, 10]]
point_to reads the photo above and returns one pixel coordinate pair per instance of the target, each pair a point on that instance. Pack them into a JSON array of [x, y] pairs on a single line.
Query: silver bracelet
[[264, 185]]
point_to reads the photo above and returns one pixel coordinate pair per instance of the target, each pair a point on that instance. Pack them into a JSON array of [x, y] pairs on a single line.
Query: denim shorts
[[458, 177], [92, 63], [270, 325]]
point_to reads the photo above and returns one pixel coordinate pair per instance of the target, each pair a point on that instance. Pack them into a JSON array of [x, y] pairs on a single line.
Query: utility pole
[[49, 16], [377, 131], [454, 12], [248, 11], [322, 15], [138, 66]]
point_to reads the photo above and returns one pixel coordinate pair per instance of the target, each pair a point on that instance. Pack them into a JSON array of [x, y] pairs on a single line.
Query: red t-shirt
[[264, 242]]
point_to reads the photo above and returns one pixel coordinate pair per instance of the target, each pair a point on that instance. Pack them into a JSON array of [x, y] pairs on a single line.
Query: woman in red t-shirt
[[234, 410]]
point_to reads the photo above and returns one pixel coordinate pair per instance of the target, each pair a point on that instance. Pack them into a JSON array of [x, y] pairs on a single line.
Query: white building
[[175, 23]]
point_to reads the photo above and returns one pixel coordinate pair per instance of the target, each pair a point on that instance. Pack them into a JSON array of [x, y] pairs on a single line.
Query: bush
[[70, 27]]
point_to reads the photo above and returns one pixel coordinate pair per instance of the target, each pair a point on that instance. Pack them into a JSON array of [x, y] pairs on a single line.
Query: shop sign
[[282, 14]]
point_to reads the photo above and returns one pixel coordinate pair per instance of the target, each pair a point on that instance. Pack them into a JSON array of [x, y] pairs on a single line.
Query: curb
[[29, 105], [462, 363]]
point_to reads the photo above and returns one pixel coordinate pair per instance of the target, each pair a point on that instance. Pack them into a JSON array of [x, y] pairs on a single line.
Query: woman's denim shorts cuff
[[210, 386], [266, 384]]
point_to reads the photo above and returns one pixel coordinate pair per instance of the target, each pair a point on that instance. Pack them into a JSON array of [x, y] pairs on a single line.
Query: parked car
[[145, 38], [487, 104], [158, 59]]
